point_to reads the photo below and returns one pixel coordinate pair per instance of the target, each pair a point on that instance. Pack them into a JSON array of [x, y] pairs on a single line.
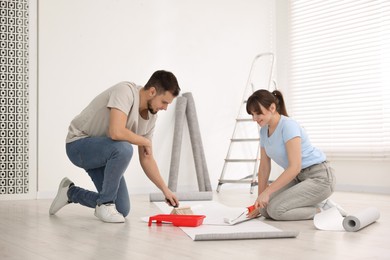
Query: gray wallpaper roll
[[181, 104], [206, 176], [246, 235], [184, 196], [197, 146], [361, 219]]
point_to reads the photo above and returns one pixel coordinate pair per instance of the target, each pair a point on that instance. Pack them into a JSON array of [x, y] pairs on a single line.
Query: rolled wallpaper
[[332, 220], [361, 219]]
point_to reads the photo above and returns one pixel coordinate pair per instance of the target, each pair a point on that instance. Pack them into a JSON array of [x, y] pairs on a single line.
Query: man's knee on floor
[[123, 209]]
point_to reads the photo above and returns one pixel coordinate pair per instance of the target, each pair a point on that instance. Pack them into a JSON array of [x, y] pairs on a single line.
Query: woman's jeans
[[299, 199], [105, 161]]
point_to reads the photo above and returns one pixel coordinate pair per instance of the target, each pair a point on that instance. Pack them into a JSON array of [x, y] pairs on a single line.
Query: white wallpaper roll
[[361, 219], [331, 220]]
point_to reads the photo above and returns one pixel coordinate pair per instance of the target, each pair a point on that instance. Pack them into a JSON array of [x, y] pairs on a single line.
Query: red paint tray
[[178, 220]]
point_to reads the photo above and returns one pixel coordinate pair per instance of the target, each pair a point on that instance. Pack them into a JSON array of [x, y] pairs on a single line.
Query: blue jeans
[[105, 161]]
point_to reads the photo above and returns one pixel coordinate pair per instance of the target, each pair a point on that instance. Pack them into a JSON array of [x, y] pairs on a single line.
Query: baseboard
[[132, 191], [147, 190], [363, 189]]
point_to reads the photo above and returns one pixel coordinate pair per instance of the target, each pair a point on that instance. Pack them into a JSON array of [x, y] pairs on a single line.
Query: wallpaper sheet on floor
[[215, 228]]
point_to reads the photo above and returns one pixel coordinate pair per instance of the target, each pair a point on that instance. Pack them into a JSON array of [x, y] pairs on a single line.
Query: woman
[[307, 180]]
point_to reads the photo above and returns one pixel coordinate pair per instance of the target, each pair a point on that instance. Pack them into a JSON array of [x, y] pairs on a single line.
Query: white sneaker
[[327, 204], [108, 213], [61, 198]]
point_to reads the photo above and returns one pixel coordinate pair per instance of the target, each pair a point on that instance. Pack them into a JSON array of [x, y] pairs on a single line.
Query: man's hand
[[171, 198]]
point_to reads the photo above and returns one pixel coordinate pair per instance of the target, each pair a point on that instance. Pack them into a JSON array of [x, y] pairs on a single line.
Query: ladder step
[[245, 139], [245, 123], [240, 160], [235, 181]]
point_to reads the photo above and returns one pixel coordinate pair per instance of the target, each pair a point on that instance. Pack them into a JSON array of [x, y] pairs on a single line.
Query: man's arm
[[149, 165], [117, 129]]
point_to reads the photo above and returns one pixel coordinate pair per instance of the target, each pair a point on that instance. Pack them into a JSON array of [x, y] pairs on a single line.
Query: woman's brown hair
[[265, 98]]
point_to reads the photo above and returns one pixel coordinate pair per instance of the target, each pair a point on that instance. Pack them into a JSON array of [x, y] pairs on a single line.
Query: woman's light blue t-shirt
[[275, 146]]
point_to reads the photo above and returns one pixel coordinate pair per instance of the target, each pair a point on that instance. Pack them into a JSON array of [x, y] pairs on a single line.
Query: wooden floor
[[28, 232]]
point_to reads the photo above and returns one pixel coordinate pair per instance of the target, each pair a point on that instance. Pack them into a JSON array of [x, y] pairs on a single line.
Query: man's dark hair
[[164, 81]]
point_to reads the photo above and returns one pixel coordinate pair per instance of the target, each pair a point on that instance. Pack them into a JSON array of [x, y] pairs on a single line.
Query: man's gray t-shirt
[[94, 120]]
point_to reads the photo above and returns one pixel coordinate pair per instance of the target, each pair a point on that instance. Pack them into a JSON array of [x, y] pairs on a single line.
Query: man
[[101, 138]]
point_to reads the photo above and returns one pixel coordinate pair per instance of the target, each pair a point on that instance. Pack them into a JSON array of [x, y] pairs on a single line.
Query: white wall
[[352, 175], [86, 46]]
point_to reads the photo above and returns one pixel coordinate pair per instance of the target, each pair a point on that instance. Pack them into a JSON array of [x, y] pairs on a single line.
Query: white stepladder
[[246, 133]]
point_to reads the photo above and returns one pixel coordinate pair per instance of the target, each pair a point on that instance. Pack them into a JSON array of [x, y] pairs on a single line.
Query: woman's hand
[[262, 200], [254, 213]]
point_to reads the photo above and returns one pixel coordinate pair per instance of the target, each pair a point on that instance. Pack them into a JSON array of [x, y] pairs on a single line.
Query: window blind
[[340, 75]]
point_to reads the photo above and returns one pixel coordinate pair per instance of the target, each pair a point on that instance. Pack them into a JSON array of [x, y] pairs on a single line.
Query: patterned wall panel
[[14, 102]]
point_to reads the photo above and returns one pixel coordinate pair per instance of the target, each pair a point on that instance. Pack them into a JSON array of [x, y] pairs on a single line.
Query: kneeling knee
[[275, 213], [124, 210], [125, 149]]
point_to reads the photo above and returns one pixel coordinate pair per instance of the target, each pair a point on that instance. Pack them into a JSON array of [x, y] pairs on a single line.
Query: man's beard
[[151, 109]]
